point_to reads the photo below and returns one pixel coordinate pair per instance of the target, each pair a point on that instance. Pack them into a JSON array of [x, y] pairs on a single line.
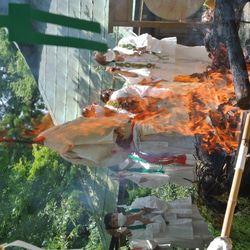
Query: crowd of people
[[137, 134]]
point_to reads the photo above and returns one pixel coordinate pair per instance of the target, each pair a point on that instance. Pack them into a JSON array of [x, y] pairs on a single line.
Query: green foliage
[[168, 192], [5, 46], [61, 216], [43, 203], [20, 78], [19, 95], [42, 196], [171, 192], [115, 103], [94, 238], [19, 98], [240, 226], [135, 192], [17, 75]]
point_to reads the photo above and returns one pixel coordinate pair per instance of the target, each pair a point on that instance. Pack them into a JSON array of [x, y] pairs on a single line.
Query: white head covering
[[121, 219], [110, 55]]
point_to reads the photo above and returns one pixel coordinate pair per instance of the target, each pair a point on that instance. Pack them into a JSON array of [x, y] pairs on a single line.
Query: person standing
[[156, 222], [139, 57]]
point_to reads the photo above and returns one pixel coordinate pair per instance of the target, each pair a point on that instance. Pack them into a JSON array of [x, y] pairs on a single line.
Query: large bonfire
[[217, 123]]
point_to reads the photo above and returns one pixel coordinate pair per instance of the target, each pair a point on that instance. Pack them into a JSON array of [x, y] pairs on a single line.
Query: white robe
[[171, 92], [186, 227], [166, 60], [140, 91], [152, 180], [144, 92], [92, 141], [159, 134], [162, 130], [180, 174], [146, 245], [89, 141]]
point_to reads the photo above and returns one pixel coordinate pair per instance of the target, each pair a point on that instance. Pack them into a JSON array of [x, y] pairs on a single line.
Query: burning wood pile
[[215, 169]]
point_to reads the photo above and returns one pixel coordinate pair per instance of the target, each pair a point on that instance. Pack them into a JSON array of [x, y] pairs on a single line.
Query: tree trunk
[[21, 141], [235, 53]]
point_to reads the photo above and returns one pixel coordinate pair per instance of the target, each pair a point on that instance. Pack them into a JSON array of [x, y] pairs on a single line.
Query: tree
[[42, 201], [21, 105], [42, 195], [20, 100]]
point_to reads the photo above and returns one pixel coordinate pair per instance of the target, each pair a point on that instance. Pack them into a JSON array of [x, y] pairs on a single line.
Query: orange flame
[[204, 107], [213, 112], [199, 105], [38, 127]]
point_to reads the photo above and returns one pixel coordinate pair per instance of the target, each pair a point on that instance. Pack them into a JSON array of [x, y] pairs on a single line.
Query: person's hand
[[141, 50], [148, 210], [139, 214], [111, 70], [145, 210]]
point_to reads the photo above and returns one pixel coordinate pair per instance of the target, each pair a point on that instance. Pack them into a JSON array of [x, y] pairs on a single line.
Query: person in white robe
[[144, 180], [155, 141], [149, 175], [91, 141], [177, 223], [140, 98], [107, 140], [141, 91], [168, 127], [146, 56], [104, 142], [171, 126], [137, 98]]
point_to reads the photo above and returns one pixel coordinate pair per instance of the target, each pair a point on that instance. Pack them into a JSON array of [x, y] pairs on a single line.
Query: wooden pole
[[239, 168], [140, 15], [235, 54]]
